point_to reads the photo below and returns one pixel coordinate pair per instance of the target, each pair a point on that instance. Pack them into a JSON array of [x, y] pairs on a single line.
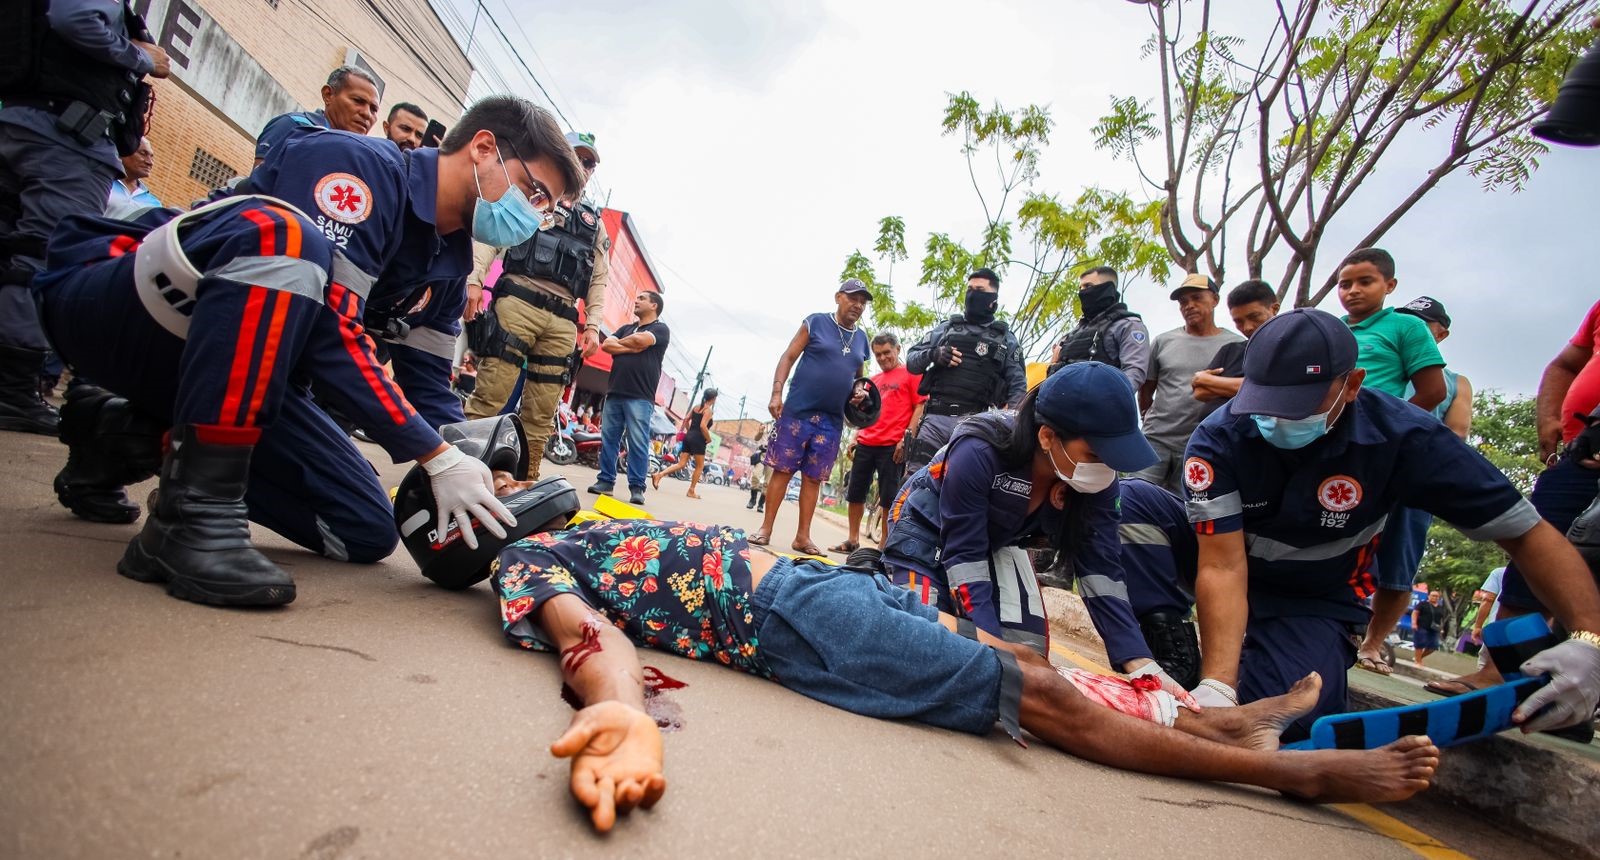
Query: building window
[[208, 170]]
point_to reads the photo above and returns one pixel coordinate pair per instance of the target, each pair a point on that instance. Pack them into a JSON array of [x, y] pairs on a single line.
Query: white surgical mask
[[1087, 478]]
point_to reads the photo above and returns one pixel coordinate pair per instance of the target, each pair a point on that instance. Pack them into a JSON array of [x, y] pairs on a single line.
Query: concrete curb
[[1536, 785]]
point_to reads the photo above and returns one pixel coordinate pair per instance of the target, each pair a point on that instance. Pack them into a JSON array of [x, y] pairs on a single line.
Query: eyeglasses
[[542, 200]]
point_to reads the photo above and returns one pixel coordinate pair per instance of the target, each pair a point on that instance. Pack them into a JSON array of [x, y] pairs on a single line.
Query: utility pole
[[701, 377]]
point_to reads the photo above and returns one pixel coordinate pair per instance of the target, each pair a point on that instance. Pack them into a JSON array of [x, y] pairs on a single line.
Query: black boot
[[21, 407], [197, 538], [109, 445]]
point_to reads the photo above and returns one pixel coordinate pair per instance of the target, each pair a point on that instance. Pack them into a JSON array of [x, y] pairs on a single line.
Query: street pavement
[[380, 716]]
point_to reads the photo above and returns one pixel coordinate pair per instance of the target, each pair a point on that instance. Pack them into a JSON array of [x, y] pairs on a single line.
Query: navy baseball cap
[[854, 285], [1290, 362], [1096, 401]]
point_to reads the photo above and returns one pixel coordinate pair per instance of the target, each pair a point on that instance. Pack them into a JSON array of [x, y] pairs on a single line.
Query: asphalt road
[[379, 716]]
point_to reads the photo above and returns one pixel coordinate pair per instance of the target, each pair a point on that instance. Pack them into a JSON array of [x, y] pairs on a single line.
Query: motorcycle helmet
[[446, 560], [866, 414]]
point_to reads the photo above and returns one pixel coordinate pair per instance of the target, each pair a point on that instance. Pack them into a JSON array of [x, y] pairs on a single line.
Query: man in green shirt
[[1396, 349]]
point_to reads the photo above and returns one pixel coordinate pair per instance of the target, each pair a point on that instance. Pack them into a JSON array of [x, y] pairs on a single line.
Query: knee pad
[[116, 441], [1174, 644]]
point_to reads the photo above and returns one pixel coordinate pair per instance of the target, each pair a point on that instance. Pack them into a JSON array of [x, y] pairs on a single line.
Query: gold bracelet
[[1586, 636]]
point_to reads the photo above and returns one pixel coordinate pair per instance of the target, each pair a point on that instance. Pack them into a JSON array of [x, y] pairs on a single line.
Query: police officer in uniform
[[533, 323], [969, 363], [1108, 332], [216, 329], [1290, 486], [70, 83]]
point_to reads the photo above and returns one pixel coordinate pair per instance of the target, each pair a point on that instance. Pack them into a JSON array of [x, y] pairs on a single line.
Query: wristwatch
[[1587, 636]]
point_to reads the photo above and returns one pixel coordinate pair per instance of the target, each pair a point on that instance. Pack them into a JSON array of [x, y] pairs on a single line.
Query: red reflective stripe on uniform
[[244, 347], [291, 232], [268, 229], [269, 352], [216, 434], [361, 353], [936, 470], [122, 245], [965, 596], [925, 588]]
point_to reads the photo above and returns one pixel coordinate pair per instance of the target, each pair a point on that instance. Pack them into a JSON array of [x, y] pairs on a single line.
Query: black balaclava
[[981, 305], [1098, 299]]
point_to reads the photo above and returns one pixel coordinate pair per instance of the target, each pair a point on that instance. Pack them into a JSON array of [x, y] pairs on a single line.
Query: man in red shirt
[[1570, 388], [880, 449]]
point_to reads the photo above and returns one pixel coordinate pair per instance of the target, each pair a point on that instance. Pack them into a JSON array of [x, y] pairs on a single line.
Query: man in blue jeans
[[636, 352]]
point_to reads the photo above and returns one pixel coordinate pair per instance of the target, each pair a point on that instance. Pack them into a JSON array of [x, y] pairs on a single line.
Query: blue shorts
[[1426, 640], [858, 642], [1280, 651], [1405, 537], [807, 444]]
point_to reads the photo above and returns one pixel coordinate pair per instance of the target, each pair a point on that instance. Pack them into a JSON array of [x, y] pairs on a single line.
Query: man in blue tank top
[[830, 349]]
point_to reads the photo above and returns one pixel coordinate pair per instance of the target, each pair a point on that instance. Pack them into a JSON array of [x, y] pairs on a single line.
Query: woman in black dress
[[696, 428]]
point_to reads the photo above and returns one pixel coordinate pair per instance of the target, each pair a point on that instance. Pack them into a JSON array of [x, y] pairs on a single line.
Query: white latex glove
[[1212, 693], [1573, 691], [463, 488], [1154, 670]]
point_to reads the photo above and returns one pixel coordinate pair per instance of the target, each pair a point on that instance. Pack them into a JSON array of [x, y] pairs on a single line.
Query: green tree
[[1059, 239], [1275, 142]]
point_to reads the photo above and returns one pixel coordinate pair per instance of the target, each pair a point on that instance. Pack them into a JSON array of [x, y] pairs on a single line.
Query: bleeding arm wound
[[574, 656]]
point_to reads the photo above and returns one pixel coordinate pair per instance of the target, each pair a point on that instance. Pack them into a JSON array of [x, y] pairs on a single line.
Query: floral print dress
[[680, 587]]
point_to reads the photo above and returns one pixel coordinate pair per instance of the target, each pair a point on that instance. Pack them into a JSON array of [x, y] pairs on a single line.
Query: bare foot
[[1258, 724], [1389, 773]]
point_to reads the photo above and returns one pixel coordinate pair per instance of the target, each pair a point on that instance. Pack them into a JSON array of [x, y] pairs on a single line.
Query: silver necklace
[[845, 335]]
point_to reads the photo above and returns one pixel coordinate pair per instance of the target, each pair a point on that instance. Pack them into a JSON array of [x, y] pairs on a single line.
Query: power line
[[518, 55], [517, 22]]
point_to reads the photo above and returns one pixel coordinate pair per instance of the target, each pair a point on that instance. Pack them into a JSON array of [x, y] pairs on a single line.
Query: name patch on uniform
[[1339, 493], [1012, 485], [1197, 474], [344, 198]]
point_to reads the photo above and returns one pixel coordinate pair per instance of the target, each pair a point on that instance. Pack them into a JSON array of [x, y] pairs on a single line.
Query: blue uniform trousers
[[242, 373], [1280, 651]]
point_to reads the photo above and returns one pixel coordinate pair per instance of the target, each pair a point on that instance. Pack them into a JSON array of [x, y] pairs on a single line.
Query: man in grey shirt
[[1166, 399]]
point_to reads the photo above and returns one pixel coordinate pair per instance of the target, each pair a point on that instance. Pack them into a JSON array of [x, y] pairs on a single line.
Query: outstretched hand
[[616, 760]]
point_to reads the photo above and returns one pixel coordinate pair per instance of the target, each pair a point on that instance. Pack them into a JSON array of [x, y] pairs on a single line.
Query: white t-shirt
[[1492, 585]]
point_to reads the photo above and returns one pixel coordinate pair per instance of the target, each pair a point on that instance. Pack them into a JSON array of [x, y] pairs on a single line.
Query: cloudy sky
[[756, 145]]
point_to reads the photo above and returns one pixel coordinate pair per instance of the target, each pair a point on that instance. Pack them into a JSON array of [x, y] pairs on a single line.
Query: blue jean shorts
[[856, 641]]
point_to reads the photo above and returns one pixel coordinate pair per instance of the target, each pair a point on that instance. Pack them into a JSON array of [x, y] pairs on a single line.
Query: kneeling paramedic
[[592, 592], [216, 322], [1043, 476], [1289, 489]]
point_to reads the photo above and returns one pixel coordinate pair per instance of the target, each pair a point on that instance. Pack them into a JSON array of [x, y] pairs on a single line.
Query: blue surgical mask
[[507, 222], [1292, 434]]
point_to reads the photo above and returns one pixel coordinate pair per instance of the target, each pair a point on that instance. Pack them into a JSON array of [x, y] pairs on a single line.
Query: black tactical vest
[[978, 381], [563, 254], [1084, 342], [37, 65]]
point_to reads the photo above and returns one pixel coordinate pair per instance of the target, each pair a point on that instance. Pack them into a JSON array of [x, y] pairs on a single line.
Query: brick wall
[[299, 42]]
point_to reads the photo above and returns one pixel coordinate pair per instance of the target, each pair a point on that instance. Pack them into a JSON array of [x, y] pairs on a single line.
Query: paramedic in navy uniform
[[219, 339], [1289, 487]]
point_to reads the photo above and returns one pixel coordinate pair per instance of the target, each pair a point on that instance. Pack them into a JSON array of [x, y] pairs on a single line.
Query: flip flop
[[692, 494], [655, 480], [807, 549], [1451, 687], [758, 539], [1374, 665], [844, 547]]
